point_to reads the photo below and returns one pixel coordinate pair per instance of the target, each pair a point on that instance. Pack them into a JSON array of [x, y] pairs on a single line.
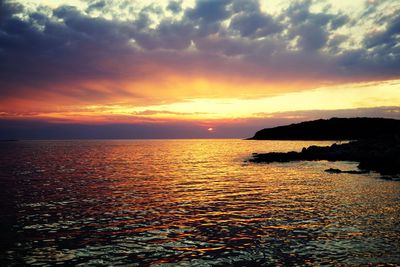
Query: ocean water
[[188, 203]]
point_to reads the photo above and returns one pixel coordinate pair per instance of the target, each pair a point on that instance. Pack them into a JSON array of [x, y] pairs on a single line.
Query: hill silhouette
[[332, 129], [375, 145]]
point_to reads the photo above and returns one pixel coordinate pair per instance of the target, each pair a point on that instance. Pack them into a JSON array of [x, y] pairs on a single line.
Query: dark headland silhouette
[[375, 143], [332, 129]]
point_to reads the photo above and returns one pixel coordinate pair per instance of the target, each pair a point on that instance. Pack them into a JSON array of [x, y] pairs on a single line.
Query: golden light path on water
[[190, 202]]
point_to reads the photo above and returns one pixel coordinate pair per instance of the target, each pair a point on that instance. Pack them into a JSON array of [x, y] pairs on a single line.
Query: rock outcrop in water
[[379, 152], [332, 129]]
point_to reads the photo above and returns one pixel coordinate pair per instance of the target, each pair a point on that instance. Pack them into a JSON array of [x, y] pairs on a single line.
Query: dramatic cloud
[[61, 55]]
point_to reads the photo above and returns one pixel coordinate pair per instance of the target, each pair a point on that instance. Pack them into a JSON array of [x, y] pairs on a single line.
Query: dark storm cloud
[[175, 6], [388, 38], [248, 24], [169, 35], [40, 50], [96, 5], [313, 29], [247, 6], [209, 10], [339, 21], [226, 46], [206, 17], [312, 36], [45, 49]]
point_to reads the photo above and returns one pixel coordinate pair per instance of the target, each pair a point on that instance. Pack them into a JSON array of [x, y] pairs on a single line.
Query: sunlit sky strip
[[350, 96]]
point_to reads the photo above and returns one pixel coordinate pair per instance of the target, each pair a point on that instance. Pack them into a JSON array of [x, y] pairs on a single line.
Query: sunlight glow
[[350, 96]]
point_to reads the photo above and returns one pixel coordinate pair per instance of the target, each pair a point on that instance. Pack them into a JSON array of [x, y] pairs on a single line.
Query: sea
[[189, 203]]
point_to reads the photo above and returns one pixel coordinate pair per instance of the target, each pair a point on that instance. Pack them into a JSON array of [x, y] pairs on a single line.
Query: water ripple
[[188, 203]]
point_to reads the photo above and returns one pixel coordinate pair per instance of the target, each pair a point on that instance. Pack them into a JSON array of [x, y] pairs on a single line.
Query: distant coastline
[[331, 129], [375, 145]]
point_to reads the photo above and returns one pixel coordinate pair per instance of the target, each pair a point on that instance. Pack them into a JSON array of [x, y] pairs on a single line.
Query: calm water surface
[[188, 202]]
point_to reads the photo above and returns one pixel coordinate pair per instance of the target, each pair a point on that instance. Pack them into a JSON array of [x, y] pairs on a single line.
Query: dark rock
[[381, 154], [331, 170]]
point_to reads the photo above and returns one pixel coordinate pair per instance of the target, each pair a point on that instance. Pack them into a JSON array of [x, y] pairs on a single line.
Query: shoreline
[[380, 154]]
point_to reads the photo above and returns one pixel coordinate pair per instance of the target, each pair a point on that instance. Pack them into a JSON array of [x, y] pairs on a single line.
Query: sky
[[193, 68]]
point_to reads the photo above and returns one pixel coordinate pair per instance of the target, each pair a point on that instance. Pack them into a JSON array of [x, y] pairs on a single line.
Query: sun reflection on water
[[191, 202]]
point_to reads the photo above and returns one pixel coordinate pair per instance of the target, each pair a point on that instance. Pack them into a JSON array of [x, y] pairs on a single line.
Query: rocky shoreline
[[381, 154]]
